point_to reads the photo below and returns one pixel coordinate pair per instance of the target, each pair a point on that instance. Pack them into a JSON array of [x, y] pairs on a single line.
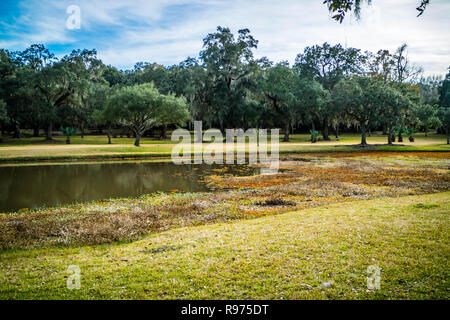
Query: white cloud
[[167, 31]]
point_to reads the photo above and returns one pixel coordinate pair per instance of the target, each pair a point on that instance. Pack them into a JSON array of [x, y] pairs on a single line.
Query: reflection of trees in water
[[6, 181], [51, 185]]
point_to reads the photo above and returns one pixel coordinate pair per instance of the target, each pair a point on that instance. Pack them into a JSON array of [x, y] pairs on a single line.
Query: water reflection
[[36, 186]]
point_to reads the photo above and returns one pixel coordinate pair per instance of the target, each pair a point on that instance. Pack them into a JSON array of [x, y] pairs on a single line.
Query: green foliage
[[339, 8], [427, 116], [444, 117], [361, 99], [328, 64], [3, 112], [68, 131], [135, 107], [140, 107], [173, 110], [314, 135], [411, 132], [230, 66], [444, 92], [226, 87]]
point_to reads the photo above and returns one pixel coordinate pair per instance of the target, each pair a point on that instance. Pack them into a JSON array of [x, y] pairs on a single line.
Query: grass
[[96, 147], [302, 182], [308, 232], [287, 256]]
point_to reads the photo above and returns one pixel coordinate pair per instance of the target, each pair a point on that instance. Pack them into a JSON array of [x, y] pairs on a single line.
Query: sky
[[168, 31]]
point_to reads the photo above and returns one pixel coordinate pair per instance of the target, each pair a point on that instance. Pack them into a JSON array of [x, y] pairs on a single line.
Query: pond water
[[51, 185]]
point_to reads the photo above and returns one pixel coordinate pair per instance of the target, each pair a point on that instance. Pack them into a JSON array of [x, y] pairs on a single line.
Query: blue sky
[[167, 31]]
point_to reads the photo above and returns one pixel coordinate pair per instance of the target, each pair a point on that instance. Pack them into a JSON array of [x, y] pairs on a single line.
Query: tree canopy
[[328, 86]]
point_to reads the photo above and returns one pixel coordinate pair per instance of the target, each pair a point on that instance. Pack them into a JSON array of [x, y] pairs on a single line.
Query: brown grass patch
[[301, 184]]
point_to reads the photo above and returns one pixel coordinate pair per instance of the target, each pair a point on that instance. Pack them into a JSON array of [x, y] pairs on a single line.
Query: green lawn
[[286, 256], [96, 147]]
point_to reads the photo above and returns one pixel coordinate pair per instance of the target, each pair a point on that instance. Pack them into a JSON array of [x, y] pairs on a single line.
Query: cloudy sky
[[167, 31]]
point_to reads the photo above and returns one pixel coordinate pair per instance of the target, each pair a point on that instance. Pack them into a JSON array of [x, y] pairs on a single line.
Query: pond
[[37, 186]]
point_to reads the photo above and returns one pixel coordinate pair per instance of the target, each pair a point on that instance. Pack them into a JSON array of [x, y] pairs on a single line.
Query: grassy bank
[[317, 253], [308, 232], [303, 181], [96, 147]]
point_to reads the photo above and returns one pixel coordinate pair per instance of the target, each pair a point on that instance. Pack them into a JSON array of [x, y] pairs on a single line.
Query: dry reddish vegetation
[[380, 154], [301, 183]]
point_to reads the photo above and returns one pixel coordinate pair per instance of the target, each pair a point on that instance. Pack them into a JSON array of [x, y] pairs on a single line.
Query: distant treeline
[[328, 87]]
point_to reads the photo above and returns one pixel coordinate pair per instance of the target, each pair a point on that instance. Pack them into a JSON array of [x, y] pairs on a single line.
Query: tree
[[392, 105], [328, 64], [312, 100], [173, 110], [427, 116], [139, 107], [411, 95], [3, 116], [113, 76], [359, 98], [145, 72], [380, 65], [97, 101], [429, 89], [277, 85], [12, 87], [85, 72], [68, 132], [135, 107], [190, 79], [444, 92], [444, 116], [339, 8], [403, 70], [229, 64], [444, 105]]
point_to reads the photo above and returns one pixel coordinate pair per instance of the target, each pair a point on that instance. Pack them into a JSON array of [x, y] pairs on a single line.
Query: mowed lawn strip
[[95, 147], [317, 253]]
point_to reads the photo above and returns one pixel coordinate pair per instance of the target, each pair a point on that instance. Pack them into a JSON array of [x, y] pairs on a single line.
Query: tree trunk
[[313, 128], [49, 132], [16, 134], [384, 129], [36, 132], [400, 137], [448, 135], [389, 135], [109, 134], [287, 126], [82, 131], [336, 132], [164, 132], [137, 142], [325, 130], [363, 134]]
